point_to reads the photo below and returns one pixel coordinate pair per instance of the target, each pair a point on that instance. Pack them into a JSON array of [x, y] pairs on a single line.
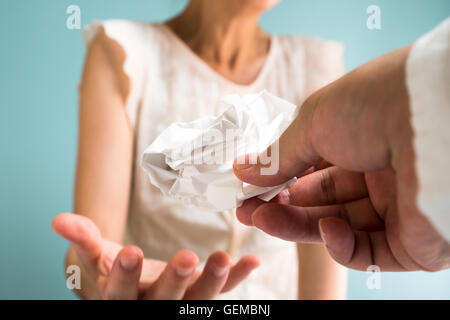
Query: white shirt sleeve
[[428, 81]]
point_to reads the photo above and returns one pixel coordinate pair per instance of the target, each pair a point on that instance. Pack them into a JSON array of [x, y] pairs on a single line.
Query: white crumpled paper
[[193, 161]]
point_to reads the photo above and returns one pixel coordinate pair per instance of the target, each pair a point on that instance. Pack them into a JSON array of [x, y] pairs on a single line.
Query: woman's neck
[[228, 42]]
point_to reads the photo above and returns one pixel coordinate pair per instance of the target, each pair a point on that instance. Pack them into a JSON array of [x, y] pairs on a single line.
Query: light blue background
[[40, 65]]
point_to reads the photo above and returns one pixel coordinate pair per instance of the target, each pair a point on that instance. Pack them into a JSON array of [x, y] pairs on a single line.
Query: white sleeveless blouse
[[170, 83]]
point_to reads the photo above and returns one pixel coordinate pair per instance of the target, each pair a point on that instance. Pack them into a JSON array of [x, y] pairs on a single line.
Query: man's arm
[[364, 206]]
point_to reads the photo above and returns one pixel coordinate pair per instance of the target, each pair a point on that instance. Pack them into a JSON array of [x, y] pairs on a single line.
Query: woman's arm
[[102, 189], [105, 141], [105, 146], [319, 277]]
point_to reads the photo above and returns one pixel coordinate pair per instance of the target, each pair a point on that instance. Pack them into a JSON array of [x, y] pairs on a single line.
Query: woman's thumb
[[79, 230]]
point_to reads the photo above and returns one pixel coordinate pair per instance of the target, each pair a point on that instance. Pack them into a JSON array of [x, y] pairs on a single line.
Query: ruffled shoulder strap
[[313, 62], [324, 61], [133, 37]]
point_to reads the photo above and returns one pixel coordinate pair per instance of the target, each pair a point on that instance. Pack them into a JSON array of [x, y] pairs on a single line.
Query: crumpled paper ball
[[193, 161]]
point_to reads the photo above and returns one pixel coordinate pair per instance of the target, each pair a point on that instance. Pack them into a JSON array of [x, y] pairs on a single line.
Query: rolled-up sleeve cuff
[[428, 81]]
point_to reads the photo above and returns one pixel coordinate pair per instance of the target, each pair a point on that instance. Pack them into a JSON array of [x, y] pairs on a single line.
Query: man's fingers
[[357, 249], [173, 281], [289, 222], [244, 213], [212, 279], [329, 186], [123, 281], [240, 271], [81, 231], [300, 224]]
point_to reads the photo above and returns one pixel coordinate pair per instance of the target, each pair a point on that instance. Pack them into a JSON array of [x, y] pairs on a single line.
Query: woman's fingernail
[[129, 262], [184, 272], [322, 234], [220, 271]]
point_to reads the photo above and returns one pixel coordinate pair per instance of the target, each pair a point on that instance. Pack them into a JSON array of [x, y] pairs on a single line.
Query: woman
[[139, 78]]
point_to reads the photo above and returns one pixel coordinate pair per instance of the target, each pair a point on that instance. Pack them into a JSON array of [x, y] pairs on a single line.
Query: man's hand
[[351, 147], [116, 272]]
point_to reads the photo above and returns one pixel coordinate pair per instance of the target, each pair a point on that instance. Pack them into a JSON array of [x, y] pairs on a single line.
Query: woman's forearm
[[320, 277]]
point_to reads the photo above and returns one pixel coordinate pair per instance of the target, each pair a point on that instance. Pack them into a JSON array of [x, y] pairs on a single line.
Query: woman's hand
[[117, 272]]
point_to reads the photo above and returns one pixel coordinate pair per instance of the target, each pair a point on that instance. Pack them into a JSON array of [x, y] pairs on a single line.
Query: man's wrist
[[398, 129]]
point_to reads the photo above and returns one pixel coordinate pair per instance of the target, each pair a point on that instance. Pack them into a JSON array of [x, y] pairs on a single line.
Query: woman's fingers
[[123, 280], [82, 232], [240, 271], [212, 279], [175, 278], [181, 280]]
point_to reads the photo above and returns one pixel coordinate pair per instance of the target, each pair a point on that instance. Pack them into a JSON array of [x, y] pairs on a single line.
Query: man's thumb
[[257, 173], [288, 157]]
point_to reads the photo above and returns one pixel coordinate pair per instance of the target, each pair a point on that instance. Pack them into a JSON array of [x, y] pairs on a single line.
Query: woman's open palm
[[118, 272]]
